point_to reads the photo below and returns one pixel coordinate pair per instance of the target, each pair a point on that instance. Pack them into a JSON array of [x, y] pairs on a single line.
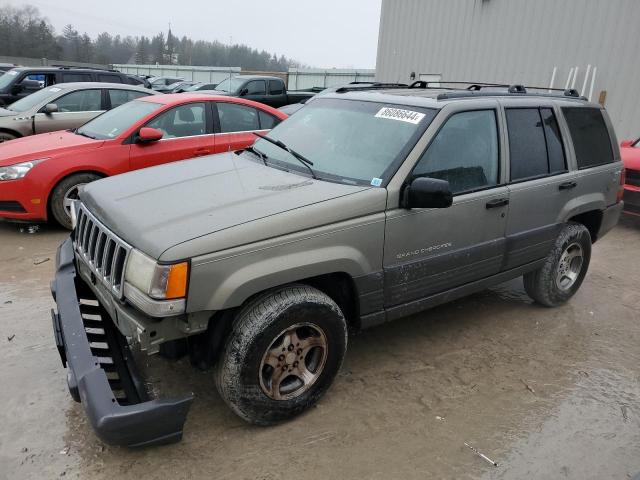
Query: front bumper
[[610, 218], [22, 201], [102, 374], [632, 200]]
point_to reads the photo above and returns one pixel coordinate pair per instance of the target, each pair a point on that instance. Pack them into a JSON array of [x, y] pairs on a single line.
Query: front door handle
[[202, 151], [567, 185], [497, 202]]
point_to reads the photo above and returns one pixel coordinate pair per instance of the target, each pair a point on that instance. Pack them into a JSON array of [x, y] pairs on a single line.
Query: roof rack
[[473, 89], [74, 67], [355, 86], [479, 89]]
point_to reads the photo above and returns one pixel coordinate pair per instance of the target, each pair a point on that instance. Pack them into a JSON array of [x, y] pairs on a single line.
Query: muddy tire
[[65, 191], [5, 137], [283, 353], [564, 269]]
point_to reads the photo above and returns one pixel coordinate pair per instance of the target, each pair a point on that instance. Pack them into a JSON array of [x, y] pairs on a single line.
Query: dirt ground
[[546, 393]]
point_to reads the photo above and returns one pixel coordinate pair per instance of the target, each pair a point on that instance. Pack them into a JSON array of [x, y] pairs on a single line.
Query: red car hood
[[44, 145], [631, 157]]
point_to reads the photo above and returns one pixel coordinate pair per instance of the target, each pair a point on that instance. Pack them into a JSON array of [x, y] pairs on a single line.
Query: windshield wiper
[[78, 132], [302, 159], [263, 156]]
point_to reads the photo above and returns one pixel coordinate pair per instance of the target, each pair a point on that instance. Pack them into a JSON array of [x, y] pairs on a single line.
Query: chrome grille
[[101, 250]]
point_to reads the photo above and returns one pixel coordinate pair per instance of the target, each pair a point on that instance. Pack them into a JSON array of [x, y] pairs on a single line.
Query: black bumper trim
[[150, 422]]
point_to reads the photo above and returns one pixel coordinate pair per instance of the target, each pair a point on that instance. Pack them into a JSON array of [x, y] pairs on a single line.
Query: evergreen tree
[[25, 32]]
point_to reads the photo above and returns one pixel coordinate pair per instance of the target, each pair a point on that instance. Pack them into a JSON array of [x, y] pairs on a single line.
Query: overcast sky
[[329, 33]]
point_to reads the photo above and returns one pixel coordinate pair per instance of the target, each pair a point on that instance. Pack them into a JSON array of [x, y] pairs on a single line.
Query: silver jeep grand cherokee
[[371, 203]]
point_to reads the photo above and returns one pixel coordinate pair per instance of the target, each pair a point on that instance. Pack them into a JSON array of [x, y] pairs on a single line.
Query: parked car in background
[[197, 87], [6, 67], [260, 88], [40, 175], [179, 87], [140, 80], [630, 152], [161, 84], [64, 106], [22, 81], [362, 208], [291, 109]]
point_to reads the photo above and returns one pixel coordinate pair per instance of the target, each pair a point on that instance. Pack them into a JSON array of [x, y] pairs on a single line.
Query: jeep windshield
[[112, 123], [348, 141]]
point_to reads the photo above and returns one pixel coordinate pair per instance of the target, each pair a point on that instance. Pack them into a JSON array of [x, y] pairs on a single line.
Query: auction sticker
[[401, 115]]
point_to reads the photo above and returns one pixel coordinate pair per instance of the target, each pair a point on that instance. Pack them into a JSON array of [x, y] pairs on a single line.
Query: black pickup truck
[[261, 88]]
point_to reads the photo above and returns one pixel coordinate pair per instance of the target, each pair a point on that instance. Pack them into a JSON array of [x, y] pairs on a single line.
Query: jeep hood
[[45, 145], [161, 207]]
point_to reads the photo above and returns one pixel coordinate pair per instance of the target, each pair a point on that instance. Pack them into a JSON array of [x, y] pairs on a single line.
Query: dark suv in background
[[22, 81]]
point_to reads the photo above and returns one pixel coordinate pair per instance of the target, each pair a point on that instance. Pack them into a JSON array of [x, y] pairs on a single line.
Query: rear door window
[[465, 152], [256, 87], [237, 118], [590, 136], [555, 148], [276, 87], [535, 144]]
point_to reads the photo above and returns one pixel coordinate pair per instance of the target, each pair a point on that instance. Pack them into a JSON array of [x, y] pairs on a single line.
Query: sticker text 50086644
[[401, 115]]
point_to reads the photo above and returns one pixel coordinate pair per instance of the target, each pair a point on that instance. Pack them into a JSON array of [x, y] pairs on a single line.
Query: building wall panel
[[518, 41]]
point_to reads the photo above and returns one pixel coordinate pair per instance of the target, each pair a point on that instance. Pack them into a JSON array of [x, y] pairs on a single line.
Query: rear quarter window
[[590, 136], [105, 77], [76, 77]]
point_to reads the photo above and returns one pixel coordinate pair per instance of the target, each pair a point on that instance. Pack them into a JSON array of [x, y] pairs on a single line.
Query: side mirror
[[627, 143], [16, 89], [426, 192], [148, 135], [244, 91], [50, 108]]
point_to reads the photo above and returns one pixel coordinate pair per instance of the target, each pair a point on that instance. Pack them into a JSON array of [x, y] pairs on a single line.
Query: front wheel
[[564, 269], [283, 353], [5, 137], [65, 193]]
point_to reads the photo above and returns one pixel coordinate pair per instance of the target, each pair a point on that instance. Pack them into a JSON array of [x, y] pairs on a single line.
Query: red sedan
[[40, 175], [630, 151]]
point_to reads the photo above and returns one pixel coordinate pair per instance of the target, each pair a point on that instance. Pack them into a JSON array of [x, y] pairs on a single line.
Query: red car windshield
[[112, 123]]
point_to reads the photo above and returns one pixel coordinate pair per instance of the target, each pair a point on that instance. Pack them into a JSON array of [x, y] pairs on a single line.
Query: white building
[[590, 45]]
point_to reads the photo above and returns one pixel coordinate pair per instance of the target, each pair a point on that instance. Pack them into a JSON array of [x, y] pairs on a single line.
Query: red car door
[[236, 124], [187, 133]]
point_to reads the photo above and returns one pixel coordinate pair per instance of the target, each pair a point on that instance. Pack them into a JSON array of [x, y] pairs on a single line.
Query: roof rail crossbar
[[469, 94], [370, 86]]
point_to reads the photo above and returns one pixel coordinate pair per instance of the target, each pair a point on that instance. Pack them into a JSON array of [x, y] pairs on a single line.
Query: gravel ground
[[546, 393]]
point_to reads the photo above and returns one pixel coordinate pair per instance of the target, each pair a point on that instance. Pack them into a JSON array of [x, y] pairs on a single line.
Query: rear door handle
[[567, 185], [497, 202]]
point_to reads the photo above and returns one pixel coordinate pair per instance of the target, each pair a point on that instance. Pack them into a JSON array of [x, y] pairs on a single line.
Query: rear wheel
[[65, 193], [283, 353], [564, 269], [5, 137]]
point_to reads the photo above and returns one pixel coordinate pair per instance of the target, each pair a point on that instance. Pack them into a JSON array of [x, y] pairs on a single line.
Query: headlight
[[19, 170], [162, 282]]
